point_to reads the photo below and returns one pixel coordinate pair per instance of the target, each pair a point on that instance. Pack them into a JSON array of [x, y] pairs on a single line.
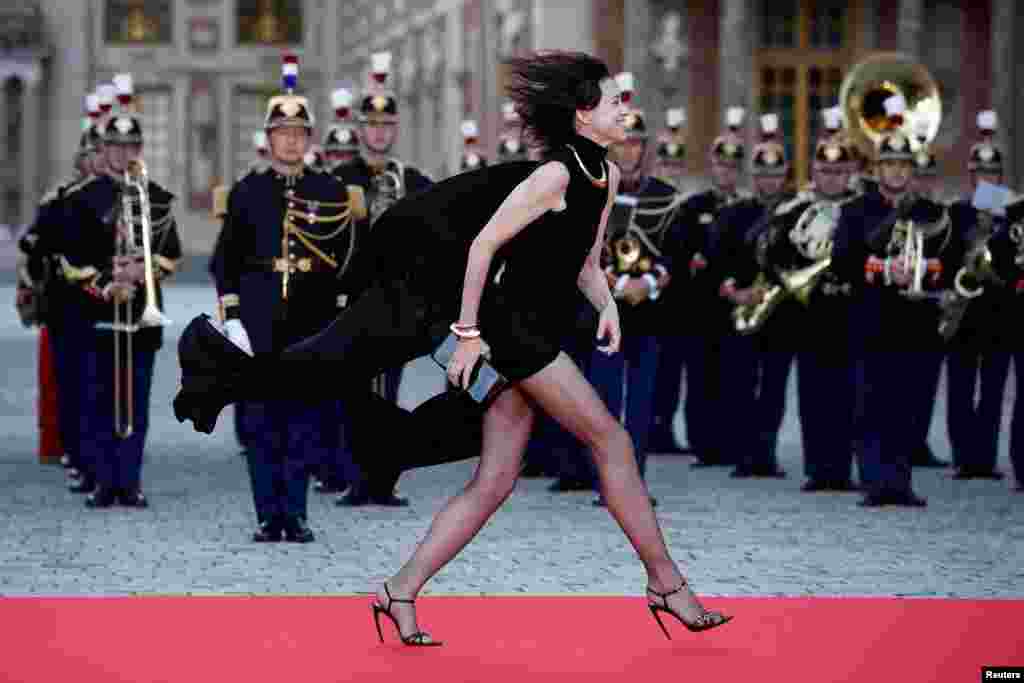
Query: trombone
[[136, 220]]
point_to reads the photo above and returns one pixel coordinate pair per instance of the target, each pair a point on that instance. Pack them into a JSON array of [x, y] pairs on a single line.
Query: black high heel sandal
[[417, 639], [706, 621]]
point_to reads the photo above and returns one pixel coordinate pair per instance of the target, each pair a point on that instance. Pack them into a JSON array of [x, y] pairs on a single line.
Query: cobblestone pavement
[[734, 537]]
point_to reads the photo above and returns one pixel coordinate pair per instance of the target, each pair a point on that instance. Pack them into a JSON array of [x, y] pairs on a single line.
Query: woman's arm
[[542, 191], [592, 280]]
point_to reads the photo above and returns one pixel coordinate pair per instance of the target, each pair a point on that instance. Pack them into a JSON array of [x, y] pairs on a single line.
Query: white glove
[[234, 330]]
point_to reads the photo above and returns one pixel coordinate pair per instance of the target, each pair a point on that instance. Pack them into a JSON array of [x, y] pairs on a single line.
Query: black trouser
[[974, 426]]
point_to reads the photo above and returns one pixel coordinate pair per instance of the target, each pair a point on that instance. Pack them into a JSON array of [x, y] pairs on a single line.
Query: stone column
[[1004, 74], [452, 79], [736, 61], [31, 142], [1016, 134], [69, 79], [911, 17]]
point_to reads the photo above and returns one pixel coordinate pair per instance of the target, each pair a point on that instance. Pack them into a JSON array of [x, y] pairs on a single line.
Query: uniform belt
[[304, 264]]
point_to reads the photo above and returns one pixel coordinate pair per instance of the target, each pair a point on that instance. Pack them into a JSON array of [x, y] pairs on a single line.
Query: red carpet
[[495, 639]]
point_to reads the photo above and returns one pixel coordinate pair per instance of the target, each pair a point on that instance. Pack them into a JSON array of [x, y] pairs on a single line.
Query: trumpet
[[135, 218]]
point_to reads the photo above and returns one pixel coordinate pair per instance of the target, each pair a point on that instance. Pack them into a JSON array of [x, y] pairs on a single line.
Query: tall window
[[805, 48], [269, 22], [140, 22], [155, 117], [250, 104]]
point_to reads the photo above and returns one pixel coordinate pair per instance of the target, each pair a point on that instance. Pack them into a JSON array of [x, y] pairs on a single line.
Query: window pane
[[779, 23], [138, 21], [270, 22], [155, 118], [249, 110], [828, 20]]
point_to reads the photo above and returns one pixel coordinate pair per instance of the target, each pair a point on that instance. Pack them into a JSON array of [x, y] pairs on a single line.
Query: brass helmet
[[671, 145], [833, 149], [987, 155], [894, 145], [379, 103], [289, 110], [341, 137], [769, 155], [728, 148]]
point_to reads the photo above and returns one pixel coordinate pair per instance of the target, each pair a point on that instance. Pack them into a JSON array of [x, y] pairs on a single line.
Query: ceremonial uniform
[[898, 341], [287, 243], [43, 299], [632, 253], [826, 371], [756, 363], [285, 239], [693, 320], [978, 360], [113, 452], [692, 316]]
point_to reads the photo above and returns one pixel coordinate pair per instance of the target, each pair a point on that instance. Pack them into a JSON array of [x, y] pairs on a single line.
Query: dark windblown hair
[[547, 89]]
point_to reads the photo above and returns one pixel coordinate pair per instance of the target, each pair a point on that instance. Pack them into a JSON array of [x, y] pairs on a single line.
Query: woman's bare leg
[[506, 430], [562, 392]]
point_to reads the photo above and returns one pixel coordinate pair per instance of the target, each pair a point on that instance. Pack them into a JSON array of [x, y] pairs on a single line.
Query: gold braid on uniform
[[305, 210]]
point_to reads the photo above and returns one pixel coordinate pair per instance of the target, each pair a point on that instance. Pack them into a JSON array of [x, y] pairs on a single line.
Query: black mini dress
[[526, 316]]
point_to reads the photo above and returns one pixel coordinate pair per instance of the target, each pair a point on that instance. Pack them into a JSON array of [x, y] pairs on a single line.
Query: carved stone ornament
[[407, 69], [513, 21], [669, 47], [432, 56]]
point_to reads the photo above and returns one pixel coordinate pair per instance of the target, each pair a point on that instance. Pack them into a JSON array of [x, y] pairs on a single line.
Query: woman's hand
[[608, 326], [460, 367]]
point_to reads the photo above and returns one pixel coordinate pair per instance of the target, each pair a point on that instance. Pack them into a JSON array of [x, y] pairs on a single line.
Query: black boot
[[268, 531], [297, 531]]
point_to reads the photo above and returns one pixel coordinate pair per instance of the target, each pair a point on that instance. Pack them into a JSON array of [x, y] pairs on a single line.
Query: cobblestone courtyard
[[734, 537]]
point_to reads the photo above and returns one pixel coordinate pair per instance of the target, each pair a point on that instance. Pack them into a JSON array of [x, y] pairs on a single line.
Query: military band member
[[756, 366], [826, 379], [924, 183], [385, 179], [287, 237], [50, 299], [890, 242], [472, 159], [116, 254], [510, 142], [978, 360], [695, 318], [637, 271]]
